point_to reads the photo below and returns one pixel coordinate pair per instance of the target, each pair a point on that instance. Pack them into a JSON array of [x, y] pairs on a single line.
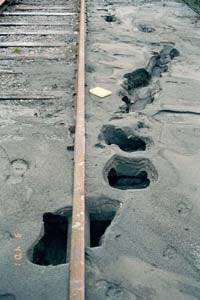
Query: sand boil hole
[[123, 139], [141, 86], [146, 28], [53, 245], [98, 225], [110, 18], [127, 174], [125, 182], [51, 249]]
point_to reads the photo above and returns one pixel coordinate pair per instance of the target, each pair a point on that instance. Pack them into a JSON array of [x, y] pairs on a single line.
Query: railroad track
[[77, 261], [139, 217]]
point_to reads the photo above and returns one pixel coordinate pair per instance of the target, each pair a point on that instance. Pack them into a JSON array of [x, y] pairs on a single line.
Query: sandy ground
[[142, 154], [36, 112], [152, 248]]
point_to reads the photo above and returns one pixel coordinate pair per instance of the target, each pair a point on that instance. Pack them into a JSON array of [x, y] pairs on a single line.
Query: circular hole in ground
[[110, 18], [101, 212], [128, 174], [124, 139], [146, 28], [98, 226], [52, 245]]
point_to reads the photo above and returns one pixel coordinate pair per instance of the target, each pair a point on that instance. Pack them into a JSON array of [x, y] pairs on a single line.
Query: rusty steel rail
[[77, 253], [4, 4]]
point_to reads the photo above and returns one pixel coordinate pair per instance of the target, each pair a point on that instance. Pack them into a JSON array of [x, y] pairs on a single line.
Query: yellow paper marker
[[100, 92]]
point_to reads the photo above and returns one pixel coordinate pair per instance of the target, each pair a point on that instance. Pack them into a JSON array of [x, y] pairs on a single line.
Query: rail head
[[4, 4], [77, 257]]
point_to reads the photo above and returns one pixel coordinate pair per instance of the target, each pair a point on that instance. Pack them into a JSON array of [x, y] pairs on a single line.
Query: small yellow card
[[100, 92]]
